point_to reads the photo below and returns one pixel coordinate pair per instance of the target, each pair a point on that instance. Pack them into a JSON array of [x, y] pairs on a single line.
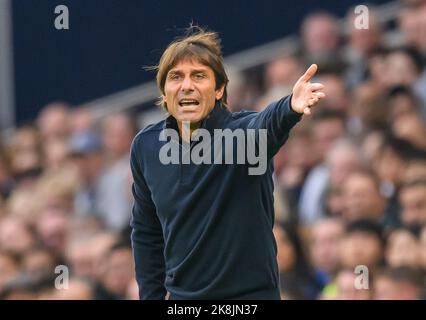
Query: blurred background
[[350, 183]]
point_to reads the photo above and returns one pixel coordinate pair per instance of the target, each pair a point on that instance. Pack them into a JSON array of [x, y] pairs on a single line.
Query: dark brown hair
[[203, 46]]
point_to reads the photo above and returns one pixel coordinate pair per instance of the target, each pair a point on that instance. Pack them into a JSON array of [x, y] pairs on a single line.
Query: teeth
[[188, 102]]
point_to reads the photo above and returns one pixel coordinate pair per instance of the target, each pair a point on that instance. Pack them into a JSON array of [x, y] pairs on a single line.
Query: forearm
[[278, 119]]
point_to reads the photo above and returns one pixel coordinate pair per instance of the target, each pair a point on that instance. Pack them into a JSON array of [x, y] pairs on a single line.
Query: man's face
[[362, 198], [325, 245], [413, 201], [385, 289], [402, 249], [190, 91], [326, 132], [360, 248]]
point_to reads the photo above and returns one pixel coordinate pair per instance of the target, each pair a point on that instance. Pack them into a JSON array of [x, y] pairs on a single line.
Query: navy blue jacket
[[205, 231]]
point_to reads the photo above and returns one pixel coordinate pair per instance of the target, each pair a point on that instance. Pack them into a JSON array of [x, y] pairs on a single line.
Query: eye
[[199, 76], [174, 76]]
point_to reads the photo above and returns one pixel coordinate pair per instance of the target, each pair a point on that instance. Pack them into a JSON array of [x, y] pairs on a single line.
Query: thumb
[[308, 75]]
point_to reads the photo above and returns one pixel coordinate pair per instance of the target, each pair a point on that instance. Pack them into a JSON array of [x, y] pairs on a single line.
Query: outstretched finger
[[316, 86], [313, 101], [309, 73], [319, 94]]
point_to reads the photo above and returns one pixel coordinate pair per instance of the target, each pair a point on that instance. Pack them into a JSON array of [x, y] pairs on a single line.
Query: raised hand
[[305, 93]]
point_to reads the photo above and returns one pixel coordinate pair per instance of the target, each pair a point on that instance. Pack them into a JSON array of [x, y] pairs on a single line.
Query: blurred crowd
[[66, 201], [350, 182]]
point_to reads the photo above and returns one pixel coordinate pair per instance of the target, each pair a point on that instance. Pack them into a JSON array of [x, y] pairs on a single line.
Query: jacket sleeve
[[278, 119], [147, 237]]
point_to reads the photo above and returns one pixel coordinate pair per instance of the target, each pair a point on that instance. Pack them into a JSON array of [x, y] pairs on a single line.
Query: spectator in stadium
[[79, 257], [81, 120], [114, 206], [78, 289], [100, 244], [401, 100], [402, 283], [86, 152], [362, 244], [409, 22], [53, 121], [282, 73], [326, 235], [116, 273], [292, 165], [26, 158], [84, 226], [411, 19], [392, 158], [16, 236], [279, 77], [336, 91], [328, 127], [321, 40], [342, 159], [9, 268], [297, 277], [346, 289], [405, 66], [413, 202], [85, 252], [415, 169], [51, 226], [40, 263], [376, 75], [362, 198], [411, 128], [55, 154], [17, 206], [368, 112], [390, 165], [55, 190], [402, 248]]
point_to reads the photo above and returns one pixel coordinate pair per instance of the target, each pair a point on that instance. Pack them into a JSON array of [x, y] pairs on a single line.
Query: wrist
[[291, 106]]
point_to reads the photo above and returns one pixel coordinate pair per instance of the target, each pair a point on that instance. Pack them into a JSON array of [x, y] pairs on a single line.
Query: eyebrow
[[178, 71]]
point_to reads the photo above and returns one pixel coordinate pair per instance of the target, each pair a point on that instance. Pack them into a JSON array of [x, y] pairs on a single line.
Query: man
[[326, 234], [204, 231], [362, 197], [400, 283], [413, 201]]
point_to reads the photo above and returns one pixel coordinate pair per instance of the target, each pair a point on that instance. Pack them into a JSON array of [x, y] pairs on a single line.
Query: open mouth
[[188, 102]]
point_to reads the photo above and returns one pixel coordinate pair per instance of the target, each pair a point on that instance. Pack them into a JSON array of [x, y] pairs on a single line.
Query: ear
[[219, 92], [164, 98]]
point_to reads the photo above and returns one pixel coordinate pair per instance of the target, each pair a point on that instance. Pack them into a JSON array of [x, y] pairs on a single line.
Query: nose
[[187, 85]]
